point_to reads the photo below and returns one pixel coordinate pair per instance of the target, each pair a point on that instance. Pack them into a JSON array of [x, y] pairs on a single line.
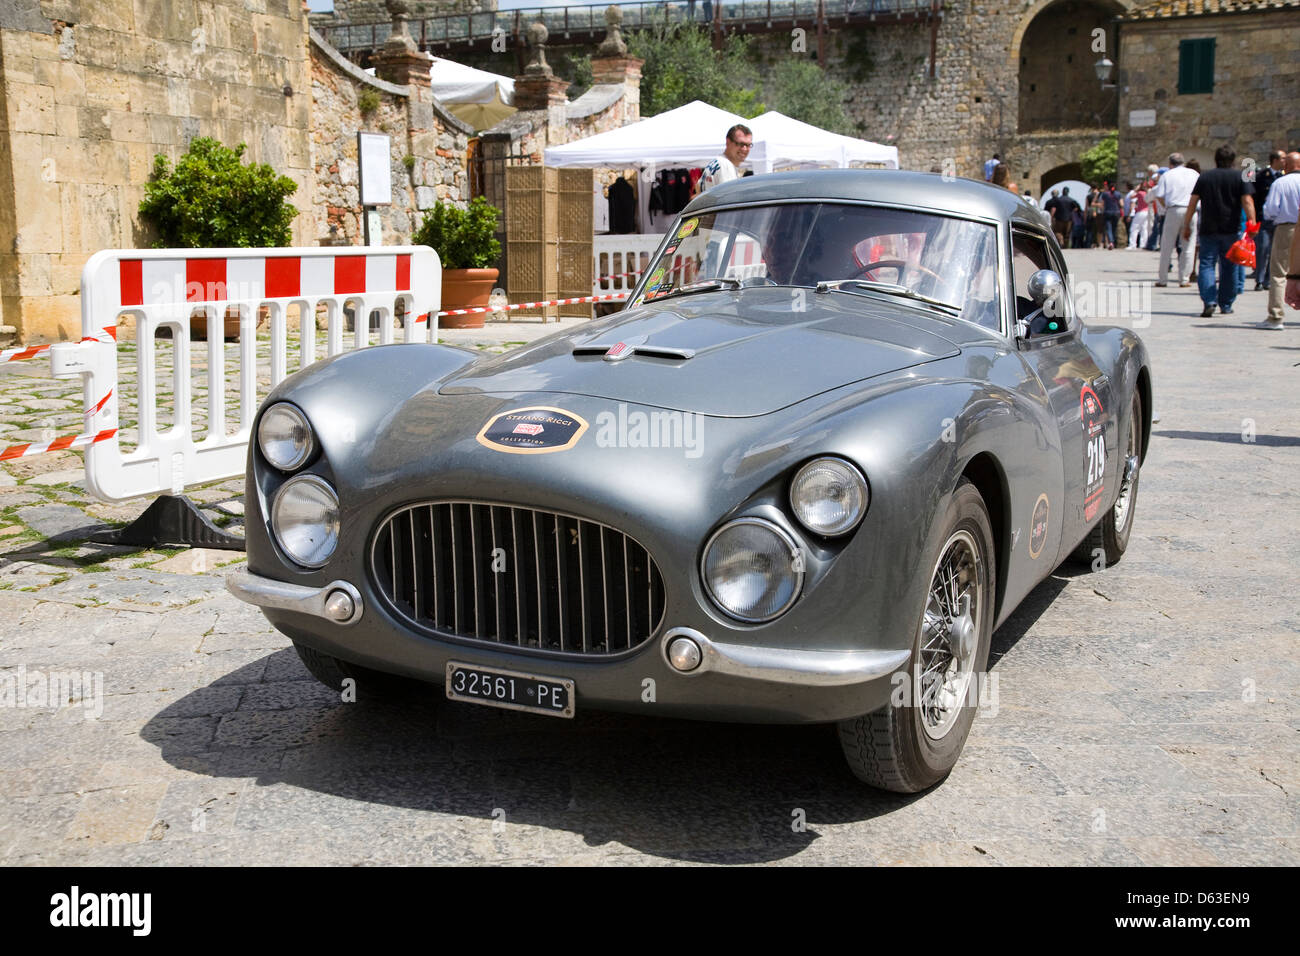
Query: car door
[[1079, 393]]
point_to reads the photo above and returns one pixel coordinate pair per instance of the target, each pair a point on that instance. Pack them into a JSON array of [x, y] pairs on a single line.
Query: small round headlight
[[285, 437], [752, 570], [829, 496], [305, 519]]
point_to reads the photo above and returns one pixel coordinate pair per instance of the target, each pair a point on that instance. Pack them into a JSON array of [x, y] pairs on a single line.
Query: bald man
[[1282, 206]]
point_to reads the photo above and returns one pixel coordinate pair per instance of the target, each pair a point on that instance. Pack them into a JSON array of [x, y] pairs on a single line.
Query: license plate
[[510, 689]]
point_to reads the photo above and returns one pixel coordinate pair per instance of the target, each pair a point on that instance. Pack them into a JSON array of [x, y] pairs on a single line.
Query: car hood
[[730, 353]]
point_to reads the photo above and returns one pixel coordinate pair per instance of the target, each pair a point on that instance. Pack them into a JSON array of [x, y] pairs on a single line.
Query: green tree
[[1101, 163], [463, 238], [799, 88], [212, 200], [681, 65]]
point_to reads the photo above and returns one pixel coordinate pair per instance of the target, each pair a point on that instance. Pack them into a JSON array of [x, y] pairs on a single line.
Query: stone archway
[[1059, 174], [1054, 54]]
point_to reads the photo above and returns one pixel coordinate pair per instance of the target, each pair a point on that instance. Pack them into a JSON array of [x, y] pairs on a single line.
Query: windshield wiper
[[891, 288], [708, 285]]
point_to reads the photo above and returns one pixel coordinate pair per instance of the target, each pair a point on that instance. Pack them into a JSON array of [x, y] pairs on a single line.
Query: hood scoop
[[618, 351]]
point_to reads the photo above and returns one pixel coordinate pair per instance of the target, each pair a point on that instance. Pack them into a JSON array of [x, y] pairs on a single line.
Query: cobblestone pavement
[[1146, 714]]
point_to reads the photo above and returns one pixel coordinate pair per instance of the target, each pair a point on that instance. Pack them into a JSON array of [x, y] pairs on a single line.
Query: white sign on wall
[[376, 169], [1142, 118]]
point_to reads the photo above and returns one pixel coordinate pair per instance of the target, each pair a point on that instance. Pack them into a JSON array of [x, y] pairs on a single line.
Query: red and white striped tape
[[534, 305], [167, 281], [107, 334], [58, 444]]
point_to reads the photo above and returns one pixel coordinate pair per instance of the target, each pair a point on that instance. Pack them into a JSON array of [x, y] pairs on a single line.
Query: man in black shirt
[[1264, 178], [1222, 194], [1062, 209]]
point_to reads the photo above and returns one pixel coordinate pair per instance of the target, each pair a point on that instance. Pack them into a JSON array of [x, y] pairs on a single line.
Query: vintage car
[[846, 423]]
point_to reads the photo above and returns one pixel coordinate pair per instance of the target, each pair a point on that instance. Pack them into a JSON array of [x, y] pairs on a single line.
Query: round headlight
[[752, 569], [285, 437], [305, 519], [829, 496]]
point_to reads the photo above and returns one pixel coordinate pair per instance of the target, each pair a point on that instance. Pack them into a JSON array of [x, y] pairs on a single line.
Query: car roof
[[930, 191]]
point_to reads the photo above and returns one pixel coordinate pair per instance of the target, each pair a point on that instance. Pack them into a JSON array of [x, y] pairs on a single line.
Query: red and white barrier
[[536, 305], [161, 289]]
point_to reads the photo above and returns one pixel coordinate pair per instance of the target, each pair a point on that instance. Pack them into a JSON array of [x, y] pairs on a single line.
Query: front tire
[[913, 742]]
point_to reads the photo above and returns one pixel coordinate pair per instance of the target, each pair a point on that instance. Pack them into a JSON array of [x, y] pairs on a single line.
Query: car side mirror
[[1046, 286]]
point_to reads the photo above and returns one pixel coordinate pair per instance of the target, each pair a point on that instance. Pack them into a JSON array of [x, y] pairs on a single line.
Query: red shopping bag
[[1242, 252]]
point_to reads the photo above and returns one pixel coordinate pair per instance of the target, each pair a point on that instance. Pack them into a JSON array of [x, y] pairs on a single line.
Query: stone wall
[[427, 154], [93, 90], [1252, 106], [90, 92]]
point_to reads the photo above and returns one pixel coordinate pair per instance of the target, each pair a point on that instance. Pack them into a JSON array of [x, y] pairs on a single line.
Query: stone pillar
[[400, 61], [612, 66], [538, 88]]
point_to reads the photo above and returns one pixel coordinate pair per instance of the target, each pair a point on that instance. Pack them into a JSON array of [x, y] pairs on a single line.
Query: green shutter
[[1196, 66]]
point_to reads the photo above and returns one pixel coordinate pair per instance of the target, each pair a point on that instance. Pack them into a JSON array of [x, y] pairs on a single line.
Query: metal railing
[[588, 20]]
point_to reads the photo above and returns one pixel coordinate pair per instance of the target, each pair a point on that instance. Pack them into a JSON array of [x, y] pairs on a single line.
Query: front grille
[[518, 577]]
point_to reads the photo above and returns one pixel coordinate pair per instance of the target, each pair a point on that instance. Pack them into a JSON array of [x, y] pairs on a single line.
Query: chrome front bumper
[[323, 602], [777, 665]]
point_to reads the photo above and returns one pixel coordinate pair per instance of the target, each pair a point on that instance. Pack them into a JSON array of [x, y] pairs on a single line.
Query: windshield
[[950, 260]]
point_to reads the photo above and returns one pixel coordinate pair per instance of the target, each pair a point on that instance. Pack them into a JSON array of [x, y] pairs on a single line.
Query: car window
[[1028, 255], [800, 244]]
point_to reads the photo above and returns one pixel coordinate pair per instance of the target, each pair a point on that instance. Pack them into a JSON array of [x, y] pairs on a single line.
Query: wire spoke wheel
[[949, 629]]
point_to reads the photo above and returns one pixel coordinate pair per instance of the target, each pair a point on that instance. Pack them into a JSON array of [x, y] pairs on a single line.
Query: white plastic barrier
[[617, 261], [162, 288]]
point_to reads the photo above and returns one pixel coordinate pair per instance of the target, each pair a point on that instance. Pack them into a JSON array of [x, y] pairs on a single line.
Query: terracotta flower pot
[[466, 289]]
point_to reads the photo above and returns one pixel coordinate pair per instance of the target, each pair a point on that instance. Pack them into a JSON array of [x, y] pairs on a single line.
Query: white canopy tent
[[477, 97], [792, 142], [694, 134]]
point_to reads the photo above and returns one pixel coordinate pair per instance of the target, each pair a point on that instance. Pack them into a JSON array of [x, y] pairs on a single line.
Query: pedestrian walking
[[1140, 227], [1062, 209], [989, 166], [1172, 194], [1282, 209], [1264, 180], [1221, 195], [1111, 210], [723, 168]]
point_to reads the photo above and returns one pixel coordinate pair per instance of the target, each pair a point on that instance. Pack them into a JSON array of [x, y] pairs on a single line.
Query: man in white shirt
[[1281, 207], [1170, 197], [723, 168]]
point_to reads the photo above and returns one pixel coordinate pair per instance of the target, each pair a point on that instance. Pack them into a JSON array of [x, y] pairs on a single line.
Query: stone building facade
[[1255, 82], [92, 90]]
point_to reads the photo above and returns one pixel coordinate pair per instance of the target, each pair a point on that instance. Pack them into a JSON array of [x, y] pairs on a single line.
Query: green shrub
[[368, 102], [463, 238], [212, 200], [1101, 163]]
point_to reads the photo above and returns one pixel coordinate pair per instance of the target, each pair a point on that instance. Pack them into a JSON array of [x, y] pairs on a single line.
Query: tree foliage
[[212, 200], [463, 238], [799, 88], [1101, 163], [681, 65]]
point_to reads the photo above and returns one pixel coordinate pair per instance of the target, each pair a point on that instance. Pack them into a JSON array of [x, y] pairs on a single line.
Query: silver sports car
[[847, 421]]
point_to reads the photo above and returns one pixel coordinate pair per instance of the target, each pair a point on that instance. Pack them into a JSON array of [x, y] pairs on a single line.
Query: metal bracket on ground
[[172, 521]]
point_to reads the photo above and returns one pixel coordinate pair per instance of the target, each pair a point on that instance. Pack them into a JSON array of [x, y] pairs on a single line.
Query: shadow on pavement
[[683, 790], [1234, 438]]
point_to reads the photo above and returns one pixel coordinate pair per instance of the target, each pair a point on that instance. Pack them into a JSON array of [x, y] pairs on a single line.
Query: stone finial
[[399, 40], [613, 44], [537, 34]]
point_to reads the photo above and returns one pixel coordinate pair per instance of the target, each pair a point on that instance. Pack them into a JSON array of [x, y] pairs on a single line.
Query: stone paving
[[1146, 714]]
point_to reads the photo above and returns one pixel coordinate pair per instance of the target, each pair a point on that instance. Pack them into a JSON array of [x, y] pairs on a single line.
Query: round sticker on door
[[1038, 526], [537, 430], [687, 228]]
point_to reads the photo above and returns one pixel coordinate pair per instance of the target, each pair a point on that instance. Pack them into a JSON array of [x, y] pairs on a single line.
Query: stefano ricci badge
[[536, 430]]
